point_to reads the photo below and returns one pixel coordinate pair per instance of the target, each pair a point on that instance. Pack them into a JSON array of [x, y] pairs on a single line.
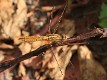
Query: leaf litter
[[19, 17]]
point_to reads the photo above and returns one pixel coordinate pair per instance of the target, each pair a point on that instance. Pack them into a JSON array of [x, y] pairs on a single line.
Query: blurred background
[[33, 18]]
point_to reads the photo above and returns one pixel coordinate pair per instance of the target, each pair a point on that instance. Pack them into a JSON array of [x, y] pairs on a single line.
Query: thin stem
[[95, 32]]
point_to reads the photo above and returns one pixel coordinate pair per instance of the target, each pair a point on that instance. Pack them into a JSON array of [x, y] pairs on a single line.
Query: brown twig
[[95, 32]]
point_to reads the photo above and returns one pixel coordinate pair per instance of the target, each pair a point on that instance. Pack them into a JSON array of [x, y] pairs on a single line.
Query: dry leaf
[[21, 70], [90, 69]]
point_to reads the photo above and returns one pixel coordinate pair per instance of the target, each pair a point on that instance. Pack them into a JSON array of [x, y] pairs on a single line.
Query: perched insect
[[48, 37]]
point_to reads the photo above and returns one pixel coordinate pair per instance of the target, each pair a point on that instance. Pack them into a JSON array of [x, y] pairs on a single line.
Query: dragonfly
[[57, 40]]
